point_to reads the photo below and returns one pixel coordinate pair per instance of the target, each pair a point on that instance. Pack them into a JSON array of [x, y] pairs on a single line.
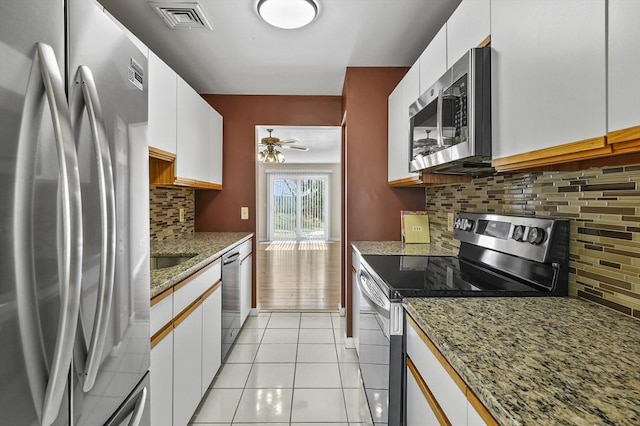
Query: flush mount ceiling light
[[288, 14]]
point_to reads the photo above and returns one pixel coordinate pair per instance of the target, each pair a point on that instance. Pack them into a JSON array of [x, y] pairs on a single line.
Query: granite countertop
[[535, 361], [205, 246], [399, 248]]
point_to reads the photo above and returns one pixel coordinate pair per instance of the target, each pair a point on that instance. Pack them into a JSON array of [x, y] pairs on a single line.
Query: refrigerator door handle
[[84, 96], [47, 383], [134, 407]]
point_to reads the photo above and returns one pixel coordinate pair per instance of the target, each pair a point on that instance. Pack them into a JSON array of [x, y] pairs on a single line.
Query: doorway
[[299, 221]]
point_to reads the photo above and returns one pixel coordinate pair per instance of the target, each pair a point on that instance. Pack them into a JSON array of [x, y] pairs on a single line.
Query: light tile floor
[[287, 369]]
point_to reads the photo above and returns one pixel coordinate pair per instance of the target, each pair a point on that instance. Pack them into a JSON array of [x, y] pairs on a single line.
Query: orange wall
[[220, 210], [372, 207]]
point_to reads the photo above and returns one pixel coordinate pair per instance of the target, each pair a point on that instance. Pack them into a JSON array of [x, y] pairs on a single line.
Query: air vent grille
[[182, 15]]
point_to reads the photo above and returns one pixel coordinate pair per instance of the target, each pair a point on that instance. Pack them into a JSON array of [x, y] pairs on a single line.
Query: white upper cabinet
[[405, 93], [468, 26], [195, 159], [433, 61], [624, 64], [162, 105], [215, 123], [394, 157], [548, 74]]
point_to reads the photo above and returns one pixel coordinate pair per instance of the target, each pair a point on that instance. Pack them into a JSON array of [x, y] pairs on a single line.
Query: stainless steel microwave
[[450, 124]]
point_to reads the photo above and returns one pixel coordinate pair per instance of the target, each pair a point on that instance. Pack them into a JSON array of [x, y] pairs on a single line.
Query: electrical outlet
[[244, 213], [181, 214], [450, 219]]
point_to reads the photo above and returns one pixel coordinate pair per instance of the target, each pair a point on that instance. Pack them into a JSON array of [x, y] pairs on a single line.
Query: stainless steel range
[[499, 256]]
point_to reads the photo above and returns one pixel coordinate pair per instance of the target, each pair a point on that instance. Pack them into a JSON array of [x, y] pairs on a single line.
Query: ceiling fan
[[269, 148]]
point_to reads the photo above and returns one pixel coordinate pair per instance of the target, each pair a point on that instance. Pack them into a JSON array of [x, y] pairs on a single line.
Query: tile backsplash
[[164, 212], [603, 206]]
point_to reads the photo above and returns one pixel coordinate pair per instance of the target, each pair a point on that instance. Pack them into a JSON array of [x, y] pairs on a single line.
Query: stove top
[[428, 276], [499, 256]]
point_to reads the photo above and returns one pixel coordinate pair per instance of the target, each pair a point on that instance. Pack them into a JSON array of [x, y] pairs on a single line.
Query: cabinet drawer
[[446, 391], [161, 310], [193, 287], [245, 249]]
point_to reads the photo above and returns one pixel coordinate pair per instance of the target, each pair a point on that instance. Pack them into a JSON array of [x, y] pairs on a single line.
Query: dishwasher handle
[[230, 258]]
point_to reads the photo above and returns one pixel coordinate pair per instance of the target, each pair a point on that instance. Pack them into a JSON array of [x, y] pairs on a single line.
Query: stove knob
[[456, 224], [518, 233], [536, 236], [467, 225]]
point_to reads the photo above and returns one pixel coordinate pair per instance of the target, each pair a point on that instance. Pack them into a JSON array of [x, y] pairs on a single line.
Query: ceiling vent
[[181, 14]]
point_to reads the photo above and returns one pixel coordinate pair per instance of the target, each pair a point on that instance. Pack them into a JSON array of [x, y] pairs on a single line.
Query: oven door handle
[[378, 302]]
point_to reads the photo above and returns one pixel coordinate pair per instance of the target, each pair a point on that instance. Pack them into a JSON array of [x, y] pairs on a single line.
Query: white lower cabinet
[[419, 412], [435, 393], [187, 365], [211, 335], [162, 380], [245, 288], [186, 350]]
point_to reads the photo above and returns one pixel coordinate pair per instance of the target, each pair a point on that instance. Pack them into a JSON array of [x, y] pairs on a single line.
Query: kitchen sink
[[160, 262]]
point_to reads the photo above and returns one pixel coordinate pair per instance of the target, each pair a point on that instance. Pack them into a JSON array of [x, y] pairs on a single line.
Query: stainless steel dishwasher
[[230, 299]]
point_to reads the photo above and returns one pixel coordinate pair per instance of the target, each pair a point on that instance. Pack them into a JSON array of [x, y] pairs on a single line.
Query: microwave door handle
[[84, 96], [47, 383]]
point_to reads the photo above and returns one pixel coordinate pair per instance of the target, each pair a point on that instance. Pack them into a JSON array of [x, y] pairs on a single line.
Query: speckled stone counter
[[540, 361], [397, 247], [205, 246]]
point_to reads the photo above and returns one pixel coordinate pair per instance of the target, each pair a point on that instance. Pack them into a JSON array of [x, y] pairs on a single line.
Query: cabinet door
[[433, 61], [395, 168], [548, 74], [446, 392], [193, 156], [162, 105], [211, 336], [406, 93], [245, 288], [624, 64], [161, 376], [187, 365], [467, 27], [473, 417], [216, 146], [419, 412]]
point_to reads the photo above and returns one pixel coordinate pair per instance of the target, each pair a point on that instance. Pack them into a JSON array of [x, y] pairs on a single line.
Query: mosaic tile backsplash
[[602, 204], [164, 212]]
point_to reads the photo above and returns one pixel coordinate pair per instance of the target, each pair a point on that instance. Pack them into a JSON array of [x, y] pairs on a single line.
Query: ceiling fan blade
[[288, 141], [296, 148]]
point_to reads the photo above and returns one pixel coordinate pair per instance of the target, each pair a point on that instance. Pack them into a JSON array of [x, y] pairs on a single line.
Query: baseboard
[[349, 343], [254, 312], [342, 311]]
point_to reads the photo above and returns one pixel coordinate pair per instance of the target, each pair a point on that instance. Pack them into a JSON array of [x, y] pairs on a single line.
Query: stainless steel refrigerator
[[74, 268]]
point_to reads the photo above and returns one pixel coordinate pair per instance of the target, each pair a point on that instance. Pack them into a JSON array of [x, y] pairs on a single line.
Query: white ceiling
[[324, 143], [245, 55]]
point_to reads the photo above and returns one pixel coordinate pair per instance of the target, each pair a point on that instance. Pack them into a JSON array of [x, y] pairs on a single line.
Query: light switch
[[244, 213], [181, 213]]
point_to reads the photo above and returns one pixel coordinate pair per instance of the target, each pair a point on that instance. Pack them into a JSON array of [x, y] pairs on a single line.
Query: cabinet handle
[[184, 314]]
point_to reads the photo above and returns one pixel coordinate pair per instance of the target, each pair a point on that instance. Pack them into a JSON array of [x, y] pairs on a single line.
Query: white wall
[[334, 193]]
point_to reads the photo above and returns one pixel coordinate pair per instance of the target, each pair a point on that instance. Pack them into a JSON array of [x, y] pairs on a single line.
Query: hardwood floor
[[298, 276]]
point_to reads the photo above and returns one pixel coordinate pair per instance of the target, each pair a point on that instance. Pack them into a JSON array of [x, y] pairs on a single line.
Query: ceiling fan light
[[261, 156], [288, 14], [279, 157]]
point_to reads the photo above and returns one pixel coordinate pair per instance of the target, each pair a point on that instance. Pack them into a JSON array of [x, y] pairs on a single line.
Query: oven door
[[380, 351]]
